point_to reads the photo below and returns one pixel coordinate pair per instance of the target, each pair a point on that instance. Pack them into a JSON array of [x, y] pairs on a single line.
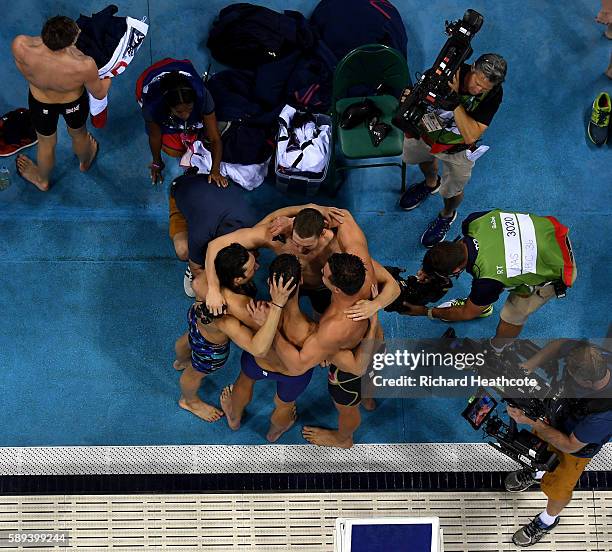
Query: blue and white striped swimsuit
[[206, 357]]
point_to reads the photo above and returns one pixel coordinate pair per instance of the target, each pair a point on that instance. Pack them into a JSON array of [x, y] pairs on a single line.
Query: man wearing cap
[[449, 137]]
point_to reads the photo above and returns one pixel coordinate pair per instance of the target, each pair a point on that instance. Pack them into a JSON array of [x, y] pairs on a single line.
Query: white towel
[[97, 106], [125, 51], [313, 152], [247, 176]]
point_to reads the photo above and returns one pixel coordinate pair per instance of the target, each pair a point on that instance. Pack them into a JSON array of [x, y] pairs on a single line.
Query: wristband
[[160, 165], [276, 305], [430, 313]]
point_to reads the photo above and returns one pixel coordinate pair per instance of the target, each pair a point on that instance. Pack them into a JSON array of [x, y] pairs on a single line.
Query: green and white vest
[[521, 250]]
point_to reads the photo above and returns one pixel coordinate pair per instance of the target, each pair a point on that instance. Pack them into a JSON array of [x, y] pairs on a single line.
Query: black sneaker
[[518, 481], [532, 533], [437, 230], [416, 194]]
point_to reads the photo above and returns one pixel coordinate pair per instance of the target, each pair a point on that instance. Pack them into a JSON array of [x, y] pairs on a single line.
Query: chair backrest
[[369, 66]]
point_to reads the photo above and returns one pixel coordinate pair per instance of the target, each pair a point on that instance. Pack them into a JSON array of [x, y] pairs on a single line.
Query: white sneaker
[[187, 279]]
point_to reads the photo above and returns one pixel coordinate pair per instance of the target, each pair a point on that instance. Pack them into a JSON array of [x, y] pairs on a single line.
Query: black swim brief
[[45, 116], [344, 388]]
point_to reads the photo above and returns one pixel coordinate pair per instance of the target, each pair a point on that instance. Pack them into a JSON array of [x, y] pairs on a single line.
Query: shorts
[[344, 388], [517, 308], [175, 145], [320, 298], [45, 116], [288, 388], [456, 167], [177, 222], [559, 484], [206, 357]]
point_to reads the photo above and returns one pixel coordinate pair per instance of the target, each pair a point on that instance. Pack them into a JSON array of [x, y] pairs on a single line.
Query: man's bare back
[[54, 77]]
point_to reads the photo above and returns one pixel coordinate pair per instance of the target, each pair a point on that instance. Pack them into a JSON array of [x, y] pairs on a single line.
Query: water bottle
[[5, 178]]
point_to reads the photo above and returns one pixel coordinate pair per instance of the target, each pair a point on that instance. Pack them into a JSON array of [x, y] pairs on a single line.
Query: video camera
[[415, 291], [522, 446], [541, 400], [432, 89]]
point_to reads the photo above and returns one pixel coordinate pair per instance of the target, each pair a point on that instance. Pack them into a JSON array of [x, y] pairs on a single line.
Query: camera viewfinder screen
[[479, 408]]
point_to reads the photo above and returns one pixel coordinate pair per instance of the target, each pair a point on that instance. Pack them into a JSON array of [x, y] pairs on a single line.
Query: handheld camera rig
[[541, 400], [432, 89]]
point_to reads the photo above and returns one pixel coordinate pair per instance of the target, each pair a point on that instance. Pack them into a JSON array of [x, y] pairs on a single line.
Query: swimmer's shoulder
[[22, 43], [81, 62]]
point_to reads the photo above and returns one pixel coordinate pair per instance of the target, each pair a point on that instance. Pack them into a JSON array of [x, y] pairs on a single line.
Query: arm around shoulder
[[314, 351]]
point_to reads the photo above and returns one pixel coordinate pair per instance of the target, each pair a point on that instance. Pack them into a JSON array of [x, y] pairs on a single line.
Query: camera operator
[[529, 255], [476, 94], [579, 432]]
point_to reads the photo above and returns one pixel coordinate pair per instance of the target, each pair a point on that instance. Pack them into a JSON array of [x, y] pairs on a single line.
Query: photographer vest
[[449, 136], [521, 250]]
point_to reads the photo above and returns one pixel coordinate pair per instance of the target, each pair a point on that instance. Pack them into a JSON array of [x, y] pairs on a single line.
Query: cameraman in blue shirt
[[584, 426]]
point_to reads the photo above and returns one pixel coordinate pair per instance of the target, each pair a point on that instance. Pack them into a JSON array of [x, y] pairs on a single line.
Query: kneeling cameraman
[[580, 431]]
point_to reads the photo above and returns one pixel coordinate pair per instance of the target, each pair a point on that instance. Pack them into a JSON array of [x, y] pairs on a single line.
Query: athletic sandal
[[11, 149]]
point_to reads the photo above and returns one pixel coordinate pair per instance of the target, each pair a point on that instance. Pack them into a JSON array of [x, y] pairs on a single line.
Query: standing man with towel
[[59, 76]]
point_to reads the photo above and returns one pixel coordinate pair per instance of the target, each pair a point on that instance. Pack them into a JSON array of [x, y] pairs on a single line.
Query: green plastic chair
[[370, 65]]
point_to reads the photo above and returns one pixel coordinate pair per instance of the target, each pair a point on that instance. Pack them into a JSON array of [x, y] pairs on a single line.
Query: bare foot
[[325, 437], [177, 365], [94, 152], [275, 432], [201, 410], [228, 407], [368, 404], [27, 169]]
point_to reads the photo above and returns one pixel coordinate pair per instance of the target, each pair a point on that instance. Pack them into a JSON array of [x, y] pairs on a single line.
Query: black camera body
[[522, 446], [417, 292], [542, 400], [432, 89], [547, 398]]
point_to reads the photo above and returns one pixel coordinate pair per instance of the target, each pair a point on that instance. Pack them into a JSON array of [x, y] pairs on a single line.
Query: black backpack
[[16, 126], [347, 24], [246, 36]]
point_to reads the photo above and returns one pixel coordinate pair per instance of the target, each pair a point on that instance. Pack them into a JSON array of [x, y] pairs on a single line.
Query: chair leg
[[338, 181], [332, 175], [403, 169]]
